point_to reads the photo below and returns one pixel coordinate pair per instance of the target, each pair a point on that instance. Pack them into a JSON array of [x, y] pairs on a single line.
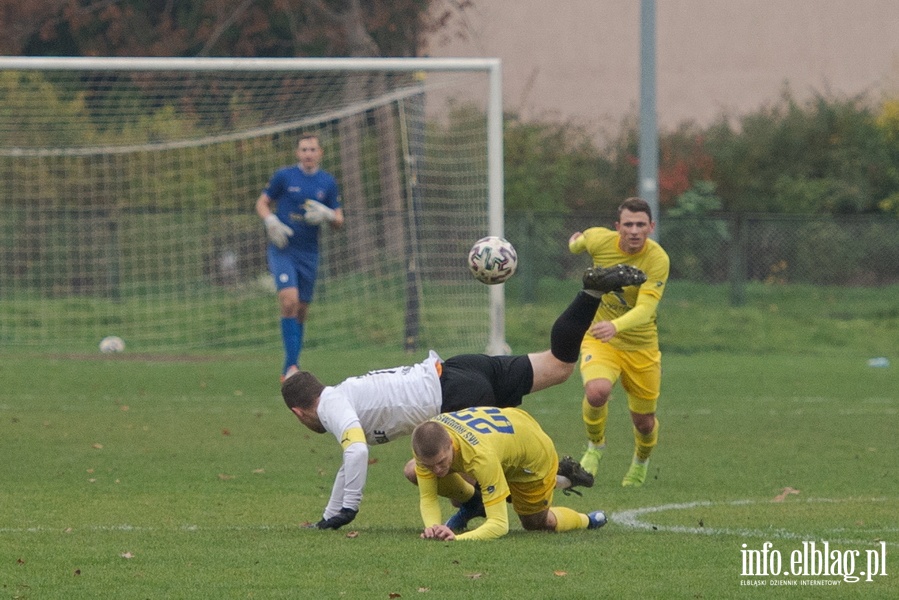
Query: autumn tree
[[260, 28], [251, 28]]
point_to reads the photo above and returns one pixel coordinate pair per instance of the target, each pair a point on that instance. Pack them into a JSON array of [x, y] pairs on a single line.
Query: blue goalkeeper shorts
[[291, 268]]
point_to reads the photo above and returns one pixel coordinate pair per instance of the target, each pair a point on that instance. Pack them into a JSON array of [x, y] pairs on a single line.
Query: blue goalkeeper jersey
[[289, 188]]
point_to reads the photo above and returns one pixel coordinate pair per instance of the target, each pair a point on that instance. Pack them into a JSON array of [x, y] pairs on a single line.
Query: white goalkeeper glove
[[317, 213], [277, 231]]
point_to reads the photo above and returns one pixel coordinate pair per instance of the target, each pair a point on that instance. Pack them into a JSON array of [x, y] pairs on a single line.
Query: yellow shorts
[[640, 372], [532, 497]]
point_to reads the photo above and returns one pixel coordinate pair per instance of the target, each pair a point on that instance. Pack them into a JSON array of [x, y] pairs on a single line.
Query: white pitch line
[[626, 518], [633, 518]]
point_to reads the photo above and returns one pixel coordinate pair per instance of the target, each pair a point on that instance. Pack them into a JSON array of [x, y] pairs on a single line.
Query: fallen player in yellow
[[508, 454]]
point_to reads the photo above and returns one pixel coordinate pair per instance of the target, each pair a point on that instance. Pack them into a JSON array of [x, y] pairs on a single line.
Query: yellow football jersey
[[496, 446], [637, 330]]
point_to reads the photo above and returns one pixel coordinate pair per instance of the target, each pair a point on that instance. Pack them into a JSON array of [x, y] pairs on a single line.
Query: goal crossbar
[[492, 111]]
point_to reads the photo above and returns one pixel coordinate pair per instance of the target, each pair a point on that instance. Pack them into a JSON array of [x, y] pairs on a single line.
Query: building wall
[[580, 59]]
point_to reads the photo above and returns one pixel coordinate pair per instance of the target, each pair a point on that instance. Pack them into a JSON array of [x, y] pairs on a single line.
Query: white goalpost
[[128, 187]]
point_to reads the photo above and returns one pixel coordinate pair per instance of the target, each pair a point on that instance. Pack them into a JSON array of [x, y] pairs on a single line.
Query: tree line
[[829, 154], [826, 155], [241, 28]]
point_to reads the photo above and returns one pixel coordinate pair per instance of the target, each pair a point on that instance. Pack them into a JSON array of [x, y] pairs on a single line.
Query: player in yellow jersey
[[506, 452], [623, 341]]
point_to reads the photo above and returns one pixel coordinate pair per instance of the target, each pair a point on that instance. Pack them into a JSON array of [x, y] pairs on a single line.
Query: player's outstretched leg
[[570, 326], [575, 474], [597, 519], [610, 279]]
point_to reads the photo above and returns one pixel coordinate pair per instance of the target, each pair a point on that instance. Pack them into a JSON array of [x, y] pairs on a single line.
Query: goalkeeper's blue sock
[[300, 330], [292, 334]]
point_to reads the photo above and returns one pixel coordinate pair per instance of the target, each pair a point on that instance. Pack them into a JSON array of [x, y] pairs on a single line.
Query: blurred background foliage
[[828, 155]]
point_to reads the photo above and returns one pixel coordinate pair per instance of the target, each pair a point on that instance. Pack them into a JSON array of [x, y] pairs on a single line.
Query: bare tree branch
[[322, 11], [224, 25]]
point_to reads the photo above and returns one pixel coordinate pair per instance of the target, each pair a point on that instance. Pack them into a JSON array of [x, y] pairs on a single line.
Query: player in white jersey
[[382, 405], [387, 403]]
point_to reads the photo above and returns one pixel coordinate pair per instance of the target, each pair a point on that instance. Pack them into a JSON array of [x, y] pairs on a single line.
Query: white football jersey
[[386, 404]]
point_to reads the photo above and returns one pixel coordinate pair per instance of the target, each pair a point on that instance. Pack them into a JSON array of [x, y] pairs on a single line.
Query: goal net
[[129, 185]]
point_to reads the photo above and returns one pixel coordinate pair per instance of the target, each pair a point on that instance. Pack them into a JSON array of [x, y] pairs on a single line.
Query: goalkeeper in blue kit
[[296, 202]]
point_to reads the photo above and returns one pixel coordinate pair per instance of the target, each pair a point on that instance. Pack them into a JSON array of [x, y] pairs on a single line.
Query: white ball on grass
[[111, 344]]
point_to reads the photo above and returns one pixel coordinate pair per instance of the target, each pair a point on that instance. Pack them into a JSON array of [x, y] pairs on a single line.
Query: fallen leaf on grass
[[394, 595], [783, 495], [126, 555], [353, 534], [474, 575], [19, 561], [225, 477], [424, 589], [226, 432], [77, 571], [560, 573], [259, 471], [372, 461], [97, 446]]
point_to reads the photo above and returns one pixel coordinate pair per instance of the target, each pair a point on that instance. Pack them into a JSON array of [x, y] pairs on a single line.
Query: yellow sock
[[454, 487], [643, 444], [568, 519], [595, 421]]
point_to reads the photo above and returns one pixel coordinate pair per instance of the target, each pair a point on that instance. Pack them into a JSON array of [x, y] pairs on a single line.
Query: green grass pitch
[[128, 477]]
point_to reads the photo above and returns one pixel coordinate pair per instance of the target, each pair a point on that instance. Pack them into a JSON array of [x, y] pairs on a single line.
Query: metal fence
[[729, 248]]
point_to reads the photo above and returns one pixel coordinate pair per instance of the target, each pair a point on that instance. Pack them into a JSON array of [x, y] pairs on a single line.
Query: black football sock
[[569, 329]]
